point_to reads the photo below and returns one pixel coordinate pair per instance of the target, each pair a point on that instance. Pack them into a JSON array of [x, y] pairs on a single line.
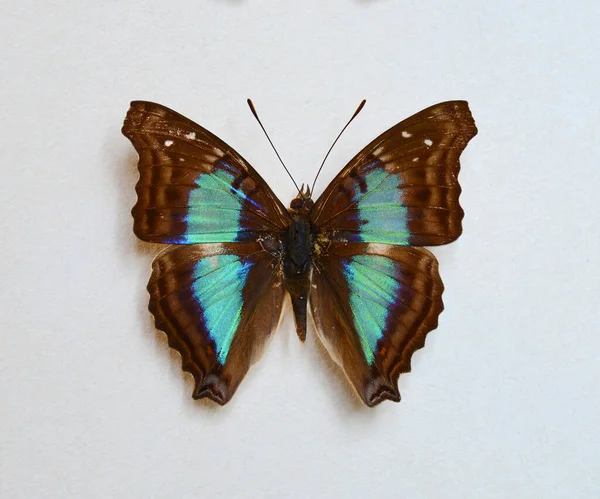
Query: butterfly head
[[302, 203]]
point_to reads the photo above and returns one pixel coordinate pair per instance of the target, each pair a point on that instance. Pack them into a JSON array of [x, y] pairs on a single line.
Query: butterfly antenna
[[358, 110], [252, 108]]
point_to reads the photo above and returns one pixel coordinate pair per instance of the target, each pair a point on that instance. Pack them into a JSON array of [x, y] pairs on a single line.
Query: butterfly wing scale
[[218, 305], [193, 187], [373, 305], [402, 188]]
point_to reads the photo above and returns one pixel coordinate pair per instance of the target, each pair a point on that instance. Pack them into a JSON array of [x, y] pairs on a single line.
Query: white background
[[503, 401]]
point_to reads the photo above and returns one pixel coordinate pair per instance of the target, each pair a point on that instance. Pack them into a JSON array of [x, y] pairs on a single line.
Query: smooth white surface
[[504, 399]]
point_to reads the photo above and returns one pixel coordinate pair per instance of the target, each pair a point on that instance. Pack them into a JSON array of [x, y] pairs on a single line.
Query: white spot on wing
[[415, 159], [191, 135], [378, 151], [406, 134], [428, 142], [168, 143]]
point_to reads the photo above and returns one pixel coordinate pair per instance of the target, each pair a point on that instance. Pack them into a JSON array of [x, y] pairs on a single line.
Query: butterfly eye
[[296, 204]]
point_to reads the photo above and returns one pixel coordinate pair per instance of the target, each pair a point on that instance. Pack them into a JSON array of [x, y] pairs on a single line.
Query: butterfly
[[354, 256]]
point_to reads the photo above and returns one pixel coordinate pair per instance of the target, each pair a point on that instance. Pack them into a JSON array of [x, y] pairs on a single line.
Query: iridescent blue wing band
[[193, 187]]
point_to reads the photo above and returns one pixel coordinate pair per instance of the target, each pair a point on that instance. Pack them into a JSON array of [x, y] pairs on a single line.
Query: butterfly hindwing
[[193, 187], [373, 305], [218, 305], [402, 188]]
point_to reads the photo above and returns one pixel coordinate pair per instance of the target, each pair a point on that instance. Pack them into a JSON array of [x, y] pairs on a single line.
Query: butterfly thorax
[[299, 238], [298, 243], [298, 248]]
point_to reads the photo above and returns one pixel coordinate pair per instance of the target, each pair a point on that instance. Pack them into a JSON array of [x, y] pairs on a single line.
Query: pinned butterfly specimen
[[354, 256]]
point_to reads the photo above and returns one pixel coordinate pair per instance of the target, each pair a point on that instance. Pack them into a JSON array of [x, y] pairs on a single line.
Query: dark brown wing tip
[[462, 112], [459, 112], [207, 393], [210, 386], [378, 390], [213, 388], [133, 118], [145, 104], [136, 112]]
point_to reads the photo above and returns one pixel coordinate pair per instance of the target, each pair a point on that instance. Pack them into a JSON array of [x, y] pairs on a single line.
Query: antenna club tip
[[251, 106], [359, 108]]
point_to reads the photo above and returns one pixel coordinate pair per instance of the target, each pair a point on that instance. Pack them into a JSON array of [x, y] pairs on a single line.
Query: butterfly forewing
[[193, 187], [402, 188]]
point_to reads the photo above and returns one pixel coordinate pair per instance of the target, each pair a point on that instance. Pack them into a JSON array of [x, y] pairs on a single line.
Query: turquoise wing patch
[[215, 210], [380, 214], [373, 287], [217, 288]]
